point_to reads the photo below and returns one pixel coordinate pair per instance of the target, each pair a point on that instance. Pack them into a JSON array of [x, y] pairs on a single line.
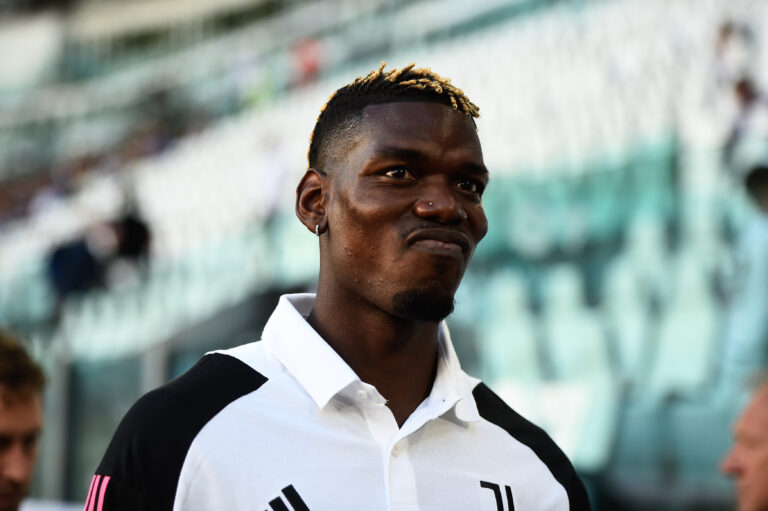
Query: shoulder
[[494, 410], [148, 449], [189, 401]]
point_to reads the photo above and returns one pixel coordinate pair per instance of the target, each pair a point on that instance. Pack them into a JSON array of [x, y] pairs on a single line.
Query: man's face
[[404, 213], [748, 459], [20, 424]]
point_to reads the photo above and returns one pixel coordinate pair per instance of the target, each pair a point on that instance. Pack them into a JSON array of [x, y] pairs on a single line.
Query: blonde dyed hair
[[409, 83]]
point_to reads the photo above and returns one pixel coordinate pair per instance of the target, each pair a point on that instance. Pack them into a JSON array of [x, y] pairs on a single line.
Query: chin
[[423, 304], [10, 504]]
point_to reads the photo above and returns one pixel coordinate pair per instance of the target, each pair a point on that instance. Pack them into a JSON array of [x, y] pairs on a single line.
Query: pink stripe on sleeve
[[90, 493], [102, 492], [92, 496]]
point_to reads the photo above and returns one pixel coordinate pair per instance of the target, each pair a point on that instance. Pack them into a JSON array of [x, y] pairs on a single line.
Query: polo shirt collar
[[301, 350], [324, 374], [451, 384]]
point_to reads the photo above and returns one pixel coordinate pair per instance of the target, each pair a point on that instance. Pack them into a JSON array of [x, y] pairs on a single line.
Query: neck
[[398, 356]]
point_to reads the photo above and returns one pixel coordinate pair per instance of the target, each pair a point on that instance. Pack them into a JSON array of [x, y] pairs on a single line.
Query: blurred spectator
[[82, 264], [748, 133], [21, 385], [746, 327], [747, 461], [308, 59], [735, 53]]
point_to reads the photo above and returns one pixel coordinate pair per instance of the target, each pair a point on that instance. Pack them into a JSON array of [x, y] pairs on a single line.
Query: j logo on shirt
[[496, 489]]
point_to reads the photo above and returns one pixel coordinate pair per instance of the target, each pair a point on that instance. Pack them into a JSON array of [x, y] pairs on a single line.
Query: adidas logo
[[292, 496]]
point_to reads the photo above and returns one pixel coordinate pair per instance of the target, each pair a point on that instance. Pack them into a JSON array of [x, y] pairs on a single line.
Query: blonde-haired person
[[354, 398]]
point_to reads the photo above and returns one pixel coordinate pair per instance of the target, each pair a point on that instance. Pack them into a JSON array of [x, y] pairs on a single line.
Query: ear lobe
[[310, 200]]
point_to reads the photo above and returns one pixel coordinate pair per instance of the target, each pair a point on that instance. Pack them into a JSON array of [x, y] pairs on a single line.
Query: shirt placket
[[394, 444], [397, 468]]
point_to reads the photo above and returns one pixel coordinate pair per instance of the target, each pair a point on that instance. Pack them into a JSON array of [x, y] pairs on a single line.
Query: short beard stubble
[[422, 305]]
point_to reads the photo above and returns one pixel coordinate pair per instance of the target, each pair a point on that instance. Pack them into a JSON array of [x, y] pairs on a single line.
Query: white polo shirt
[[285, 424]]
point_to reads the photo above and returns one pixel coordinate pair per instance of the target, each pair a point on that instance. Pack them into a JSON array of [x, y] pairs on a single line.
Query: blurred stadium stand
[[595, 304]]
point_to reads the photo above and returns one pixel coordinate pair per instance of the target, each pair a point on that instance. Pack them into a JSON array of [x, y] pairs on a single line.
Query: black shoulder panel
[[149, 447], [493, 409]]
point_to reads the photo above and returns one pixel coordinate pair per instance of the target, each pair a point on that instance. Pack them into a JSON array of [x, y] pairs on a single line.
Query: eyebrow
[[414, 154], [399, 152]]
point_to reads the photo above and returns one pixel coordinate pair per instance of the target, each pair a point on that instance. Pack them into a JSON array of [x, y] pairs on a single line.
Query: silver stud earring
[[430, 204], [317, 229]]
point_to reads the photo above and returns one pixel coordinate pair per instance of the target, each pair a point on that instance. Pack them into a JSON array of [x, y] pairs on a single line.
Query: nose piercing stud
[[430, 204]]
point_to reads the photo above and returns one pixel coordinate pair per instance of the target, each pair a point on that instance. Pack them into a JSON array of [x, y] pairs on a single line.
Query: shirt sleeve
[[141, 467], [107, 493]]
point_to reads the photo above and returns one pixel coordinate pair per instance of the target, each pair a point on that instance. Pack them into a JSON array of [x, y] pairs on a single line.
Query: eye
[[398, 173], [30, 442], [472, 186]]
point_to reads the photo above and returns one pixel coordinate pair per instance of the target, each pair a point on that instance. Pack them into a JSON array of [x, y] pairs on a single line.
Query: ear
[[311, 200]]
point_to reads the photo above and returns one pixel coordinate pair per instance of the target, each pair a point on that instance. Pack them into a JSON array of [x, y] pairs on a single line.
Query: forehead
[[755, 419], [19, 413], [419, 123]]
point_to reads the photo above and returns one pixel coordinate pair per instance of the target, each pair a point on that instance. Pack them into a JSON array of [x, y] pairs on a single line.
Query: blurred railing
[[215, 78]]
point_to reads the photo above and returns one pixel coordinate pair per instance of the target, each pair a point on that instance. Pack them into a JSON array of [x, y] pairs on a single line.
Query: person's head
[[747, 461], [725, 32], [745, 91], [21, 385], [756, 183], [134, 237], [394, 187]]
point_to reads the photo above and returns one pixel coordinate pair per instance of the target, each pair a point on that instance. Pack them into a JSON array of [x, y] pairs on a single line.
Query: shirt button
[[396, 451]]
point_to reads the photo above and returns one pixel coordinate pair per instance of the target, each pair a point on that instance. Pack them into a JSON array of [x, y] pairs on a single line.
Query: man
[[354, 398], [82, 264], [748, 459], [21, 383]]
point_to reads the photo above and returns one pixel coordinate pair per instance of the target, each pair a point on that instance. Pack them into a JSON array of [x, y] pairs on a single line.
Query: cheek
[[479, 221], [33, 452], [759, 467], [358, 242], [367, 222]]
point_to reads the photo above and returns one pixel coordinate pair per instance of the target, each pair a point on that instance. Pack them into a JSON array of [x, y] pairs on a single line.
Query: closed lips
[[440, 239]]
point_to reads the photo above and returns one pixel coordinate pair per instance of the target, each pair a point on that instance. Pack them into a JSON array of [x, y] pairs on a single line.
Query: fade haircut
[[340, 115], [20, 376]]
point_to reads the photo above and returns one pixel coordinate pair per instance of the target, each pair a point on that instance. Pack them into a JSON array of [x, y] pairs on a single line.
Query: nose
[[731, 465], [16, 464], [439, 202]]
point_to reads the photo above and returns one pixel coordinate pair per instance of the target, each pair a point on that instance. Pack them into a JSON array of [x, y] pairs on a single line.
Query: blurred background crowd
[[149, 152]]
